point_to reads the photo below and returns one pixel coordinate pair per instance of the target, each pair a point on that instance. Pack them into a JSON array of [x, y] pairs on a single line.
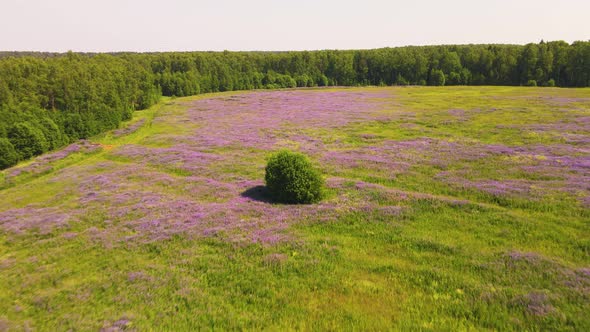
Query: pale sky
[[183, 25]]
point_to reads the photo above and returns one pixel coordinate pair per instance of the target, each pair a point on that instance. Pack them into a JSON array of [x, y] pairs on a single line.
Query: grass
[[411, 236]]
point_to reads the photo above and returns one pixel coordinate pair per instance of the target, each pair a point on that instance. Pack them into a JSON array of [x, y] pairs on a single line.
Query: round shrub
[[291, 178], [27, 139], [8, 155]]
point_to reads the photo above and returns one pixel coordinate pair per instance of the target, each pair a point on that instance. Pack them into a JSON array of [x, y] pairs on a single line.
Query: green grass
[[451, 259]]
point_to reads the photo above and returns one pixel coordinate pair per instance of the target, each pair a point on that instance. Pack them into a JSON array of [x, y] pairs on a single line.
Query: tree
[[450, 63], [8, 155], [74, 127], [400, 80], [52, 133], [27, 139], [527, 64], [437, 77], [5, 94]]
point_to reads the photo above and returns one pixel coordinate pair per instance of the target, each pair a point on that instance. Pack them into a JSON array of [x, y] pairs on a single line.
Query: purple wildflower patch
[[197, 178], [535, 303], [259, 119], [32, 218], [129, 129], [181, 156], [42, 164]]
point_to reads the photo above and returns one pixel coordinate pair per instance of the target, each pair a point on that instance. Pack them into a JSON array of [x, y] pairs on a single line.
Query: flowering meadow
[[446, 209]]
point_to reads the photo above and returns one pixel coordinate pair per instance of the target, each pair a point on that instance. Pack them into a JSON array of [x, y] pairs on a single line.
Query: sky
[[281, 25]]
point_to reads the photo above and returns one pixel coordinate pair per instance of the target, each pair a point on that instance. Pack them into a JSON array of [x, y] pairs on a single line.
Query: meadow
[[448, 208]]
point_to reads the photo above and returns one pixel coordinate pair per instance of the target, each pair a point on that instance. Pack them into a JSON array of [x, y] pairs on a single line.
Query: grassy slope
[[488, 262]]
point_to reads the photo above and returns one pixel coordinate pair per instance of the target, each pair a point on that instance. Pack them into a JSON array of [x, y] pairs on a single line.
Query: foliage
[[52, 133], [75, 128], [8, 155], [27, 139], [400, 80], [437, 77], [291, 178]]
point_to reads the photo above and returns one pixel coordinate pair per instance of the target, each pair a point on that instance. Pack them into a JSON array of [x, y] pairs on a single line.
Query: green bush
[[27, 139], [400, 80], [454, 79], [437, 77], [8, 155], [75, 128], [323, 81], [291, 178], [531, 83], [52, 133]]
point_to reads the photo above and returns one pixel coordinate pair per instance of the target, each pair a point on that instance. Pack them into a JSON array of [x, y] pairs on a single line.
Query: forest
[[48, 100]]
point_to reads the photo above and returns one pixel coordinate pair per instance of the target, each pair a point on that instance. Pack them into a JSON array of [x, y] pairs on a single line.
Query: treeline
[[48, 100], [543, 64]]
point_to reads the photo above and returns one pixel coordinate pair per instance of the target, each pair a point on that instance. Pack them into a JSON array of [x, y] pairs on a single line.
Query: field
[[453, 208]]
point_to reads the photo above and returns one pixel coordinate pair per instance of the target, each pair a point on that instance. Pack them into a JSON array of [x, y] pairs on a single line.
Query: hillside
[[448, 208]]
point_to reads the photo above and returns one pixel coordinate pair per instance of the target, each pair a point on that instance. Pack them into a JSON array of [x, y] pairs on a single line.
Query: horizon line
[[281, 51]]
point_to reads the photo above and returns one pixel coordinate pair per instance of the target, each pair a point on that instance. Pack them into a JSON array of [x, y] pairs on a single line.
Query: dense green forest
[[48, 100]]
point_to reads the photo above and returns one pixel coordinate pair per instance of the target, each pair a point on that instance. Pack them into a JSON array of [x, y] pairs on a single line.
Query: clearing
[[448, 208]]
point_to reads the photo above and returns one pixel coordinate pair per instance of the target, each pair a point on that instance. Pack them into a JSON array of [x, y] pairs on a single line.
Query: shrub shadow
[[258, 193]]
